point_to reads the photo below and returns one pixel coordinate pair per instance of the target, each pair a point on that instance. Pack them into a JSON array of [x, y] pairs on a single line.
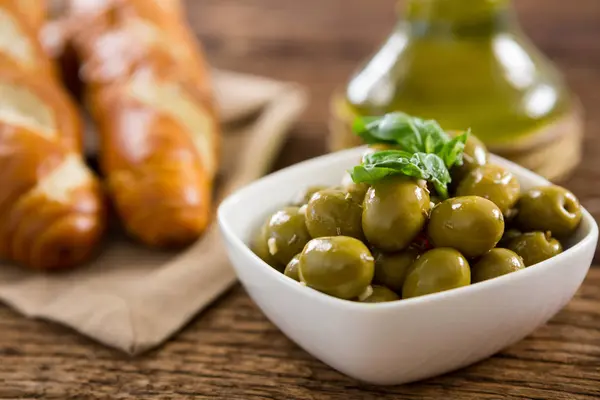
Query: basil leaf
[[430, 144], [364, 126], [402, 129], [427, 151], [433, 132], [393, 128], [383, 156], [411, 133], [452, 152], [429, 167], [435, 171], [371, 174]]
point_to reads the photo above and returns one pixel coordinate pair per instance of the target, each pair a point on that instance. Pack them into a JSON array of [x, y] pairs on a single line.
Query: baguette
[[148, 90], [51, 207]]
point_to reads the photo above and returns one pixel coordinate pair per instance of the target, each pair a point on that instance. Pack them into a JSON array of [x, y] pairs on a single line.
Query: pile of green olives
[[394, 240]]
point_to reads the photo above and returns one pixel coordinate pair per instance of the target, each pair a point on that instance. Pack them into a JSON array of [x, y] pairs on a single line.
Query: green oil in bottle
[[467, 64]]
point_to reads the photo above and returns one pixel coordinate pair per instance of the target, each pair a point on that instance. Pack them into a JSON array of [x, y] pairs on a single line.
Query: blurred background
[[319, 43]]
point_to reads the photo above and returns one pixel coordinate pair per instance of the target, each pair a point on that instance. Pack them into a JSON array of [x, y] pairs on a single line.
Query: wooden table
[[231, 351]]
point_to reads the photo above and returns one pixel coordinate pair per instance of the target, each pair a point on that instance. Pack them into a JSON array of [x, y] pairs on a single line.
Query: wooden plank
[[233, 352]]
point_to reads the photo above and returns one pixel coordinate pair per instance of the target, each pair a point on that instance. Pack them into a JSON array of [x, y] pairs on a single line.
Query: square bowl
[[408, 340]]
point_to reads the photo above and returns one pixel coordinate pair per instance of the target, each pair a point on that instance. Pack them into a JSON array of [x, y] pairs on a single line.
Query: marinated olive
[[357, 191], [304, 196], [394, 212], [291, 270], [495, 263], [391, 269], [535, 247], [470, 224], [333, 212], [549, 208], [475, 155], [340, 266], [380, 294], [493, 183], [286, 234], [260, 247], [436, 271]]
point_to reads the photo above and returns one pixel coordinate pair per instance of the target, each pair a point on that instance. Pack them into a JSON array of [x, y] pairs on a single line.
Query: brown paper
[[132, 298]]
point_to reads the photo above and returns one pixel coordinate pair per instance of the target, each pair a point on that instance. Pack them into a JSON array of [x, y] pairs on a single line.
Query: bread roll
[[51, 209], [148, 90]]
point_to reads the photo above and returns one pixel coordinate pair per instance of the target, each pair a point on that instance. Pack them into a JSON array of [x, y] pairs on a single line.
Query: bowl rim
[[590, 236]]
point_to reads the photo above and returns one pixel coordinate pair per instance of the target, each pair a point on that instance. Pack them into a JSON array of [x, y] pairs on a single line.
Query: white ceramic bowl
[[408, 340]]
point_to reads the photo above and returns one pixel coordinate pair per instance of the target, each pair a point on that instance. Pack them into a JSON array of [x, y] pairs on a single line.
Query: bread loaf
[[147, 87], [51, 208]]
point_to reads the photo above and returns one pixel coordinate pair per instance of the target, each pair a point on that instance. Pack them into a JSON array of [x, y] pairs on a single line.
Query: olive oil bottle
[[467, 64]]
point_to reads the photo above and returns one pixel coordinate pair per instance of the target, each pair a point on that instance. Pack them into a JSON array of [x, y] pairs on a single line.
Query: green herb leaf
[[433, 132], [436, 172], [413, 135], [364, 126], [427, 151], [371, 174], [452, 152], [379, 165], [386, 156]]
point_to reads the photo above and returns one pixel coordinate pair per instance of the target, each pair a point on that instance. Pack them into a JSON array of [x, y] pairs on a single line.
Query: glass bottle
[[467, 64]]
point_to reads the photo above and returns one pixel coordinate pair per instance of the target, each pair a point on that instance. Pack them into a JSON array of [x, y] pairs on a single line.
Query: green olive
[[470, 224], [357, 191], [549, 208], [340, 266], [475, 155], [535, 247], [304, 196], [286, 234], [394, 212], [495, 263], [380, 294], [260, 247], [333, 212], [436, 271], [391, 268], [291, 270], [493, 183]]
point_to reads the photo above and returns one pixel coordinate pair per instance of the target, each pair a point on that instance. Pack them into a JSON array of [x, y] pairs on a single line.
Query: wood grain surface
[[231, 351]]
